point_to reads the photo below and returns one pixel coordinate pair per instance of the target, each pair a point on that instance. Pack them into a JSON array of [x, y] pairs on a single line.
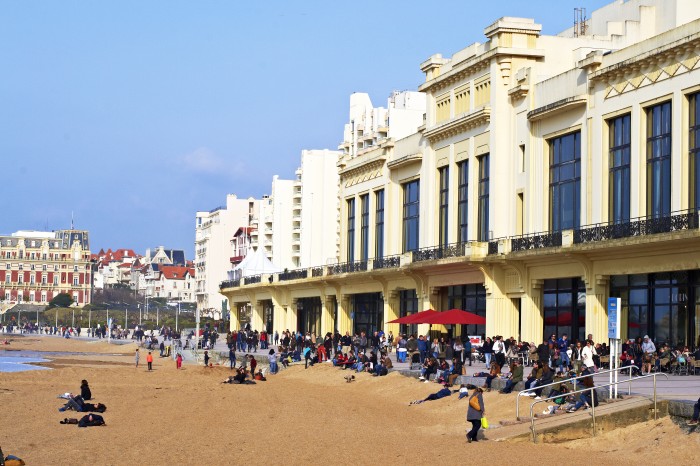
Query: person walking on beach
[[137, 356], [232, 356], [178, 361], [149, 360], [474, 414]]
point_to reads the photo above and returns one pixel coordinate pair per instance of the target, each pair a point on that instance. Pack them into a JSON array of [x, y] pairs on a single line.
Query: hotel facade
[[549, 173], [37, 266]]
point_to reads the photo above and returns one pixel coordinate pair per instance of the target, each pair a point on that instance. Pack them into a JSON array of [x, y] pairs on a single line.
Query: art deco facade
[[551, 173], [37, 266]]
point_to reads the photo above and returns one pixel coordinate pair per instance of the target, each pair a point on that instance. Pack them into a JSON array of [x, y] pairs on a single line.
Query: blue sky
[[133, 115]]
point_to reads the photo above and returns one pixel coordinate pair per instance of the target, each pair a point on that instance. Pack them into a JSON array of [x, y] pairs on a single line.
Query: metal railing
[[317, 271], [570, 379], [493, 247], [230, 284], [386, 262], [293, 275], [536, 241], [439, 252], [347, 267], [591, 389], [639, 226], [253, 279]]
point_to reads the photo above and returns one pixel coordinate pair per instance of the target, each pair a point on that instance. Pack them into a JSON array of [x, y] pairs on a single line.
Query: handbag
[[474, 403], [484, 423]]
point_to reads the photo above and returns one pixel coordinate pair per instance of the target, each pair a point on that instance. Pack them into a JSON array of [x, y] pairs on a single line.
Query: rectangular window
[[351, 230], [483, 232], [31, 279], [411, 215], [463, 201], [379, 217], [43, 297], [444, 198], [55, 280], [694, 152], [75, 281], [565, 182], [619, 159], [44, 279], [659, 160], [364, 227]]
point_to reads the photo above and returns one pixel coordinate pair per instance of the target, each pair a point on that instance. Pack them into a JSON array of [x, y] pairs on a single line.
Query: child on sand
[[178, 361], [136, 357]]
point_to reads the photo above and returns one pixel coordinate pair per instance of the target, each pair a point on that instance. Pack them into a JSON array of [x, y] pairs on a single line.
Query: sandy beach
[[298, 416]]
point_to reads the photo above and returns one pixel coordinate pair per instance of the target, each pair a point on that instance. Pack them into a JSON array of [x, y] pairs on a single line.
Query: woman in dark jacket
[[487, 349], [85, 390], [474, 415]]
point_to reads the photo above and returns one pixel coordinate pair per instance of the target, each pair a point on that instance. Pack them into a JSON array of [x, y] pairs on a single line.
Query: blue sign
[[614, 318]]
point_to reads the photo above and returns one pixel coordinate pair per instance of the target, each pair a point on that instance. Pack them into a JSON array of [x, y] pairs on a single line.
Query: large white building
[[551, 173], [214, 230]]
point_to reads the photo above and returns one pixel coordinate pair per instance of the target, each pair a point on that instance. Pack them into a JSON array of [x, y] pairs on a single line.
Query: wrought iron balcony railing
[[440, 252], [493, 247], [386, 262], [230, 284], [347, 267], [317, 272], [253, 279], [536, 241], [293, 275], [640, 226]]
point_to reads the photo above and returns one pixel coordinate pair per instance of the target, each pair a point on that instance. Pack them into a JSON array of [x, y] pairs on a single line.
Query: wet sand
[[298, 416]]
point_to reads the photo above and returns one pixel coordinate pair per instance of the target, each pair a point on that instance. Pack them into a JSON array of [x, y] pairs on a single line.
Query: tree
[[61, 300]]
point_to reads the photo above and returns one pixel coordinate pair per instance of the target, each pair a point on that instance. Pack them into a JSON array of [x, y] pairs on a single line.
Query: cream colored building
[[551, 173], [213, 251]]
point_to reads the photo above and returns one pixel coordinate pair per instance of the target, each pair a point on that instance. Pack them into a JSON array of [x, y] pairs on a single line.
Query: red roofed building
[[172, 282]]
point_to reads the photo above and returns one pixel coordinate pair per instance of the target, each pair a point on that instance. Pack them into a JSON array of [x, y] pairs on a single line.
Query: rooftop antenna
[[580, 22], [71, 220]]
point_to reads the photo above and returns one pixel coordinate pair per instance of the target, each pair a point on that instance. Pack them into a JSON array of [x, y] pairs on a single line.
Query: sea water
[[16, 363]]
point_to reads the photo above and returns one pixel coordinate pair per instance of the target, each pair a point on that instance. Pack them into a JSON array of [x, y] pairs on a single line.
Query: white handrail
[[617, 369], [591, 389]]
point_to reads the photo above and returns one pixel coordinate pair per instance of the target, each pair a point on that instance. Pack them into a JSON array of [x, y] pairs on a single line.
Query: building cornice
[[405, 160], [556, 107], [475, 64], [459, 124]]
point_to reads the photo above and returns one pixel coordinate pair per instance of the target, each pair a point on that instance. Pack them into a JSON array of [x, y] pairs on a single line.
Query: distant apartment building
[[36, 266], [113, 268], [172, 282], [272, 227], [214, 230]]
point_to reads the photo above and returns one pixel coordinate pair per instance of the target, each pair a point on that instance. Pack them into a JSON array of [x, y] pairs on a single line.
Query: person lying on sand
[[442, 393], [75, 403], [91, 420]]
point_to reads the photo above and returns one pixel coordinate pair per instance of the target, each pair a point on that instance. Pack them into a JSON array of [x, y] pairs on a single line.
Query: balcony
[[226, 284], [640, 226], [536, 241], [253, 279], [317, 271], [293, 275], [386, 262], [440, 252], [347, 267]]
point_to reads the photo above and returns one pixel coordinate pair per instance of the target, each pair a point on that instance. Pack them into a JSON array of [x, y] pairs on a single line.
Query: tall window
[[351, 230], [483, 198], [444, 204], [659, 160], [694, 155], [620, 169], [379, 231], [411, 215], [565, 182], [364, 227], [463, 201]]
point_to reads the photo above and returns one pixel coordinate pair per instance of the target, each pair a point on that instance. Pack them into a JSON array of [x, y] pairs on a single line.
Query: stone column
[[596, 308], [391, 312], [327, 307], [531, 308], [344, 323], [501, 314], [256, 316], [279, 315], [235, 323]]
